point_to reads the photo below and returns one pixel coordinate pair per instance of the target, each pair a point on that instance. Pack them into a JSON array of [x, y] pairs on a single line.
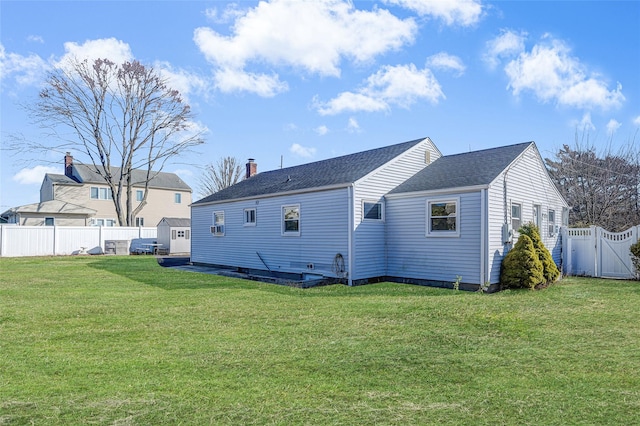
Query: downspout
[[350, 191], [484, 249]]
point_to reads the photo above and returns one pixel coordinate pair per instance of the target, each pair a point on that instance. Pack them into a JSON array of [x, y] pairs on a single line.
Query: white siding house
[[403, 213]]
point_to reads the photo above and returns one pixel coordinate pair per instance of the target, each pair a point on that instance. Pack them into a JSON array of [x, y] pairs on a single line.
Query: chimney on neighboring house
[[252, 168], [68, 165]]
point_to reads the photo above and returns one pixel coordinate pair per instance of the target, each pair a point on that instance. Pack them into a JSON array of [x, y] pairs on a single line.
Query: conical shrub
[[521, 267], [550, 270]]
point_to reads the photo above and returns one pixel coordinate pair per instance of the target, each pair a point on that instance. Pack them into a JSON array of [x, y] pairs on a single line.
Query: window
[[49, 221], [291, 220], [139, 194], [552, 223], [139, 221], [249, 217], [371, 211], [178, 198], [516, 216], [218, 224], [442, 218], [101, 193], [179, 234], [103, 222], [536, 216]]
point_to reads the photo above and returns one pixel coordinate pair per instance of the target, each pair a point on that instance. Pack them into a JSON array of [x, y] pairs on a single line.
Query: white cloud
[[507, 44], [585, 124], [231, 12], [353, 126], [34, 175], [444, 61], [312, 36], [636, 121], [551, 74], [229, 80], [302, 151], [182, 80], [35, 39], [452, 12], [401, 85], [25, 70], [106, 48], [613, 126], [322, 130]]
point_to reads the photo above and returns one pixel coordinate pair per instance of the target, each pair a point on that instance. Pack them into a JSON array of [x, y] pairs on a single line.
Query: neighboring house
[[81, 185], [49, 213], [175, 235], [401, 213]]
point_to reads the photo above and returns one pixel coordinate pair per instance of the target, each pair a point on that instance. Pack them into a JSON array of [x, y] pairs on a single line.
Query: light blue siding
[[369, 236], [411, 254], [527, 184], [323, 234]]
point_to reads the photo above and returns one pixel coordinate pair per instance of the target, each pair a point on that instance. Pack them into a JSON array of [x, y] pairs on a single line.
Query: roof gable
[[336, 171], [463, 170], [177, 222]]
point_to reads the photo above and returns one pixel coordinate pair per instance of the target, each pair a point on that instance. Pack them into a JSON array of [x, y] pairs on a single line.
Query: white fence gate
[[595, 252], [17, 241]]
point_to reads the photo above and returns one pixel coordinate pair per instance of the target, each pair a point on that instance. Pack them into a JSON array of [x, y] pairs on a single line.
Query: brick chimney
[[68, 165], [252, 168]]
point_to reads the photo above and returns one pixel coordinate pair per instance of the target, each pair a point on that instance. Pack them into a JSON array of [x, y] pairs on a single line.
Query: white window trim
[[551, 224], [365, 219], [515, 230], [215, 231], [290, 233], [537, 218], [444, 234], [108, 193], [255, 216]]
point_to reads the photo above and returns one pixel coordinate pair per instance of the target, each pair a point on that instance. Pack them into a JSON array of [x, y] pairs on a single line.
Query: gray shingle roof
[[52, 207], [460, 170], [334, 171], [62, 179], [160, 180], [179, 222]]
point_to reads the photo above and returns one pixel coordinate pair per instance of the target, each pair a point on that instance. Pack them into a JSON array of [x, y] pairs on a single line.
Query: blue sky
[[299, 81]]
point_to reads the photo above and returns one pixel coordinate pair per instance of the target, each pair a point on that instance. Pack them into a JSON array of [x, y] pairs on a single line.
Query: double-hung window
[[443, 218], [552, 222], [178, 198], [218, 224], [291, 220], [139, 221], [98, 193], [249, 217], [139, 194], [372, 211], [516, 216]]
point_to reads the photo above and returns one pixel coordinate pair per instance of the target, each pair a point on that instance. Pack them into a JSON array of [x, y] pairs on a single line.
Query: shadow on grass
[[146, 270]]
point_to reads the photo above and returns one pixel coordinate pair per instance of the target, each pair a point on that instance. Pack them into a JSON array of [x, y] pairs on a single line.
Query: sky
[[290, 82]]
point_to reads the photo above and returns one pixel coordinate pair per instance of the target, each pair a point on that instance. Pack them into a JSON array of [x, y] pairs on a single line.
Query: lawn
[[123, 341]]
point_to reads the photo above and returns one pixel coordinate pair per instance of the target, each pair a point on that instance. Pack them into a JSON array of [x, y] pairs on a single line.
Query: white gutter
[[443, 191]]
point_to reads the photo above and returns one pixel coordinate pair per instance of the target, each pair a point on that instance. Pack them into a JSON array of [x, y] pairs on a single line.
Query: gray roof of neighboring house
[[334, 171], [177, 222], [51, 207], [461, 170], [162, 180], [88, 174]]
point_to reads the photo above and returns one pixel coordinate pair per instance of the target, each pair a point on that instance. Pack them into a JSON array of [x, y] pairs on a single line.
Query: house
[[49, 213], [401, 213], [82, 186], [174, 235]]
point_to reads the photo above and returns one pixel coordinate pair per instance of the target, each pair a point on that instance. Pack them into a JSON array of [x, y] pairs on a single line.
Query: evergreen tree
[[550, 270], [521, 267]]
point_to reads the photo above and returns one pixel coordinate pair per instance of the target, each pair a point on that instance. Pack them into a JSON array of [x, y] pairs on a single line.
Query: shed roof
[[463, 170], [331, 172], [176, 222]]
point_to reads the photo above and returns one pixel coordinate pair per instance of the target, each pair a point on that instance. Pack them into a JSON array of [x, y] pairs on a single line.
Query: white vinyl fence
[[595, 252], [17, 241]]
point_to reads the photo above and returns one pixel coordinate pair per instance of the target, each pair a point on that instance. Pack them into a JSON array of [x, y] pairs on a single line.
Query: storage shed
[[174, 235]]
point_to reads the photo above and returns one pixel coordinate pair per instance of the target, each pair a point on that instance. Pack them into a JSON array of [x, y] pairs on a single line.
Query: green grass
[[122, 341]]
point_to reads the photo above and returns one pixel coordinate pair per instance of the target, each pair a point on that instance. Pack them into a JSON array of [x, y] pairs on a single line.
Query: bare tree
[[601, 188], [226, 172], [122, 116]]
